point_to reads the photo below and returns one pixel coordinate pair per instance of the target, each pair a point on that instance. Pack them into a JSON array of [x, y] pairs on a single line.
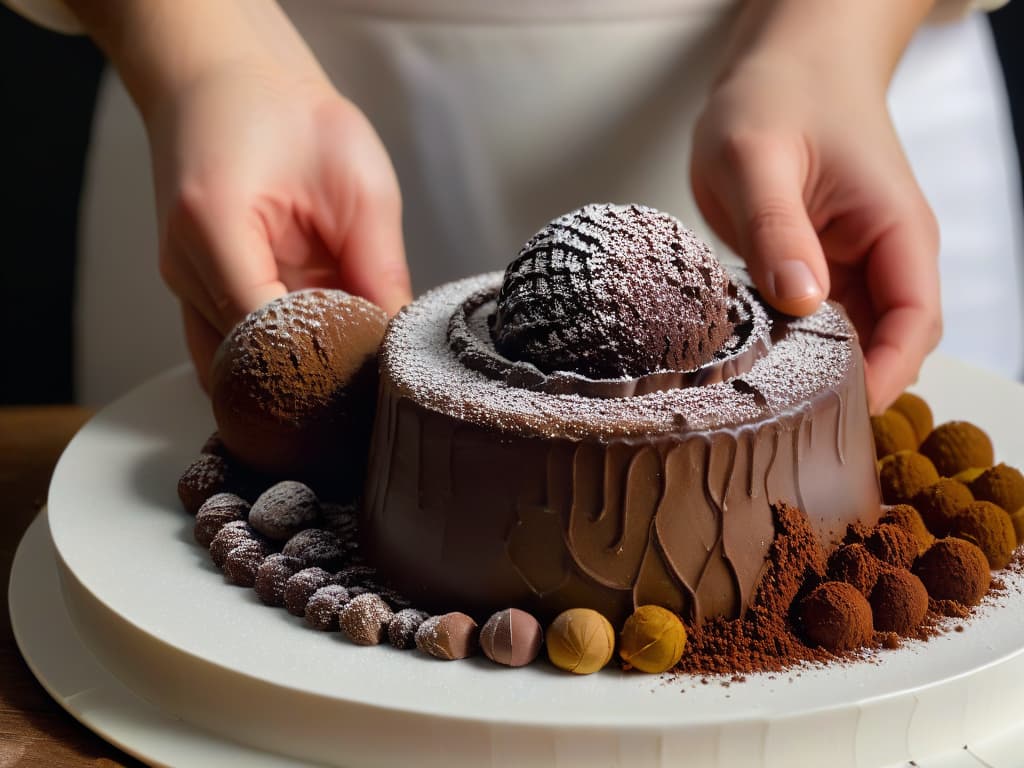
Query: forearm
[[161, 47]]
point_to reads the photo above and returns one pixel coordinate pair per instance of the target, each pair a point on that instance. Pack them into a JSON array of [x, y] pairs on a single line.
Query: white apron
[[502, 118]]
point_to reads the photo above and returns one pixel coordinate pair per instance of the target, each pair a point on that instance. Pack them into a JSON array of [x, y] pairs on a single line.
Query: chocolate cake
[[503, 476]]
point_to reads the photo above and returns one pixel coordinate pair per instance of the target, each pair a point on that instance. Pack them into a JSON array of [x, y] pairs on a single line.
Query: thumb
[[774, 234]]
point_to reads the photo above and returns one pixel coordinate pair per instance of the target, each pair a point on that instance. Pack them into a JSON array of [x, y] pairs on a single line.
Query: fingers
[[758, 187], [202, 340], [903, 283]]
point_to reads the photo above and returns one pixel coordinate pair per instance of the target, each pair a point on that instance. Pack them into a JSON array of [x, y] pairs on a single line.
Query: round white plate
[[147, 602]]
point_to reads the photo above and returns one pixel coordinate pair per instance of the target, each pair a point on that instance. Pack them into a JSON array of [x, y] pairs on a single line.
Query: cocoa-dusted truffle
[[969, 475], [954, 569], [956, 446], [204, 477], [340, 519], [902, 475], [1002, 485], [610, 291], [364, 619], [940, 502], [511, 637], [216, 512], [580, 640], [316, 547], [448, 637], [909, 519], [917, 412], [403, 626], [242, 562], [272, 575], [652, 640], [893, 545], [899, 601], [892, 433], [837, 617], [855, 565], [293, 386], [988, 526], [227, 538], [284, 509], [324, 605], [301, 586]]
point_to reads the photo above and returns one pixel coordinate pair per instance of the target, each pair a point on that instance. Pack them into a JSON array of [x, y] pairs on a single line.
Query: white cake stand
[[190, 668]]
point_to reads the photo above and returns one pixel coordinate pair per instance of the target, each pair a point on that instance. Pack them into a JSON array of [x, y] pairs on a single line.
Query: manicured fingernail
[[793, 280]]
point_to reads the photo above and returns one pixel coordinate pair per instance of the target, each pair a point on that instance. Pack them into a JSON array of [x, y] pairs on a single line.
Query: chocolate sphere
[[990, 527], [855, 565], [293, 387], [448, 637], [652, 640], [610, 291], [837, 617], [892, 432], [956, 446], [917, 412], [511, 637], [580, 640], [954, 569], [899, 601], [904, 474], [1002, 485], [940, 502]]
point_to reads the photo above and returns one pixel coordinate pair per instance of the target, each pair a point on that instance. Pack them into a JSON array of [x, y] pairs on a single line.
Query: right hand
[[268, 182]]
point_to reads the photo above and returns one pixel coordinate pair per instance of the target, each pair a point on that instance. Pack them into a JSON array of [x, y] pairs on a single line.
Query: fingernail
[[793, 280]]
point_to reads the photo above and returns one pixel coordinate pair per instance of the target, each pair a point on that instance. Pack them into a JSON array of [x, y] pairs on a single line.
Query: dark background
[[47, 89]]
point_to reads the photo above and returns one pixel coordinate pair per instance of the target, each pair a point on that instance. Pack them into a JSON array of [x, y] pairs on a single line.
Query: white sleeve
[[52, 14]]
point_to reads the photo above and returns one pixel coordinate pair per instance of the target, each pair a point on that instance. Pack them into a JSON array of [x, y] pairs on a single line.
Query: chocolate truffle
[[652, 640], [611, 291], [969, 475], [917, 412], [956, 446], [893, 545], [340, 519], [511, 637], [316, 547], [448, 637], [836, 617], [940, 502], [301, 586], [364, 619], [273, 575], [954, 569], [902, 475], [403, 627], [856, 566], [899, 601], [293, 387], [892, 433], [989, 526], [1002, 485], [909, 519], [216, 512], [284, 509], [324, 605], [227, 538], [580, 640], [242, 562], [204, 477]]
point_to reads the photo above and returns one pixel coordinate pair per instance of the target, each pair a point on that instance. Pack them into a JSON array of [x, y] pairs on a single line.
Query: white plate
[[148, 603]]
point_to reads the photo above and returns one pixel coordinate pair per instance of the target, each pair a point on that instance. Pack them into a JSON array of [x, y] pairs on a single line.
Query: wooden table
[[34, 731]]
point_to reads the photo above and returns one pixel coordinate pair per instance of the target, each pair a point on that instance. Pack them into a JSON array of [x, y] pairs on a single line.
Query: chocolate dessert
[[609, 445]]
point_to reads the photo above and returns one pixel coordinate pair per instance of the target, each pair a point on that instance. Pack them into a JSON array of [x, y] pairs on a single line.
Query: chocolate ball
[[403, 627], [892, 433], [899, 601], [316, 547], [216, 512], [956, 446], [364, 619], [917, 412], [324, 605], [284, 509], [954, 569], [856, 566], [1002, 485], [990, 527], [893, 545], [243, 562], [909, 519], [940, 502], [301, 586], [652, 640], [272, 575], [511, 637], [904, 474], [448, 637], [228, 537], [293, 387], [580, 640], [206, 476], [610, 291], [836, 617]]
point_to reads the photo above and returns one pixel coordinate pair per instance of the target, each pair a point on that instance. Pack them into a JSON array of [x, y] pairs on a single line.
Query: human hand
[[797, 167], [267, 180]]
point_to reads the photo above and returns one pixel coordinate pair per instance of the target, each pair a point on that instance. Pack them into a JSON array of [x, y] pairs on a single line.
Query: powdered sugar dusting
[[812, 355]]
